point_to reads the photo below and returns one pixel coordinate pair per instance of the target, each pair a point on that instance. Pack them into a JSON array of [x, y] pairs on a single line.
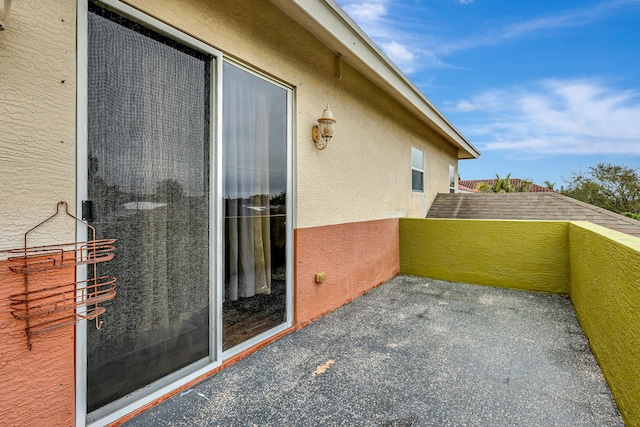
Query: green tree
[[612, 187], [504, 185], [631, 215]]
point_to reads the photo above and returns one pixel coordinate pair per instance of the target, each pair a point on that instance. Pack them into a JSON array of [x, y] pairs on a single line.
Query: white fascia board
[[333, 27]]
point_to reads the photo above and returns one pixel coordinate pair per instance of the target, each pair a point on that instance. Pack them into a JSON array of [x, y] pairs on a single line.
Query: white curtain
[[246, 185]]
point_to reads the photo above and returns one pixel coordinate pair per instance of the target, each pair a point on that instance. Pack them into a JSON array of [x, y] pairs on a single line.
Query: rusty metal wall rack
[[46, 307]]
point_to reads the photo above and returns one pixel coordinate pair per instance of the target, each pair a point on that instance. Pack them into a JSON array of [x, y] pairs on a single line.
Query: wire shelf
[[62, 298], [44, 306], [41, 258]]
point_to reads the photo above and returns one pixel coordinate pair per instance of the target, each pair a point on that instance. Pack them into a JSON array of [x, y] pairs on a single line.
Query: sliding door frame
[[288, 222], [147, 395]]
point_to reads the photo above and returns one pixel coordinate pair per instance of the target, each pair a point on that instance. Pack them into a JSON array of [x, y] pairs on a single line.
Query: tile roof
[[528, 206], [473, 183], [464, 189]]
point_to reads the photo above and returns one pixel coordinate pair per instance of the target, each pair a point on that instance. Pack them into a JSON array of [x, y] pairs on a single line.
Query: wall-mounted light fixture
[[5, 6], [323, 131]]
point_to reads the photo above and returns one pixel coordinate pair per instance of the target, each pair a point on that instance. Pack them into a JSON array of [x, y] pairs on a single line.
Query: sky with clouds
[[541, 88]]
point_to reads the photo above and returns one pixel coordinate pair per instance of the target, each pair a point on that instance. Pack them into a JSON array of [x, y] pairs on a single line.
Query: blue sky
[[542, 88]]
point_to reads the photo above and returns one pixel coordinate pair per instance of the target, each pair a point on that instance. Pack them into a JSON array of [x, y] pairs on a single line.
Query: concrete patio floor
[[413, 352]]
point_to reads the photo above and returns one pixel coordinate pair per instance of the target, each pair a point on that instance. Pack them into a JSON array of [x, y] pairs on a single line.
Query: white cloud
[[465, 1], [366, 12], [463, 106], [486, 101], [400, 54], [555, 116], [399, 43]]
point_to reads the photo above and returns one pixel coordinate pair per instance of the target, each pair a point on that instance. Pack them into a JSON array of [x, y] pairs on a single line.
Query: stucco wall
[[527, 255], [37, 114], [355, 257], [37, 169], [365, 172], [605, 291], [37, 385]]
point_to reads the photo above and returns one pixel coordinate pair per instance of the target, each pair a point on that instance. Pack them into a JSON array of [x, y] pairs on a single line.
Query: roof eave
[[334, 28]]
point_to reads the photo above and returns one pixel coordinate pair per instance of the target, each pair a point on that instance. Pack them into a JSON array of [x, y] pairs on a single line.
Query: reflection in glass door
[[254, 186], [150, 127], [148, 179]]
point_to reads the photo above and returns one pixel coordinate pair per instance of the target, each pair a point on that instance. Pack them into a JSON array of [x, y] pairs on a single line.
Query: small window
[[452, 179], [417, 170]]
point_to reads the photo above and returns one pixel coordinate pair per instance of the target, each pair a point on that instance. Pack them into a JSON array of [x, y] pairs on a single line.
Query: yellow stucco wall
[[527, 255], [605, 291], [365, 172], [37, 118], [598, 267]]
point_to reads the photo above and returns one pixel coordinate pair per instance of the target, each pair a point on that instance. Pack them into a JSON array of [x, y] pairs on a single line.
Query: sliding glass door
[[148, 180], [254, 187], [187, 163]]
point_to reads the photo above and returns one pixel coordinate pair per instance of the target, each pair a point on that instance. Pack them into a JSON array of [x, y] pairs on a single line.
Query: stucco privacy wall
[[605, 291], [365, 172], [355, 257], [598, 267], [527, 255]]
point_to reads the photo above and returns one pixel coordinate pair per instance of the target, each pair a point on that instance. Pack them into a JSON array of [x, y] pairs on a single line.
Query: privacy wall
[[599, 268], [605, 291], [526, 255]]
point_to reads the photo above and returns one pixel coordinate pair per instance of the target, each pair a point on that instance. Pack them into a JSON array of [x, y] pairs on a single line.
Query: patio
[[413, 352]]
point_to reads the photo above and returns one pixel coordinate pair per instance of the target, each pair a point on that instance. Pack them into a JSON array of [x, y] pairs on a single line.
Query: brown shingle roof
[[535, 188], [532, 206]]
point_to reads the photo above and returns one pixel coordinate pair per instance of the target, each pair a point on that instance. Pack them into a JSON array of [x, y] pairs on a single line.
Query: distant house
[[464, 189], [185, 129], [473, 184]]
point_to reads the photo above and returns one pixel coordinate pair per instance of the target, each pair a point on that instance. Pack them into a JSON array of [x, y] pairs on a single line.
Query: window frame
[[416, 169], [453, 182]]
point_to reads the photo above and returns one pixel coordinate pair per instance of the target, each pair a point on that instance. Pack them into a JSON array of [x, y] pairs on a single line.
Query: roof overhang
[[336, 30]]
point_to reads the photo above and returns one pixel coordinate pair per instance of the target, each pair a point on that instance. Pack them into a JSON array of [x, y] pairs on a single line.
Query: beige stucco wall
[[37, 118], [364, 174]]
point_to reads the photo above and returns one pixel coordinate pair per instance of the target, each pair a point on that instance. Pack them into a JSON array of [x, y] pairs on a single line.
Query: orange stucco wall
[[37, 386], [355, 256]]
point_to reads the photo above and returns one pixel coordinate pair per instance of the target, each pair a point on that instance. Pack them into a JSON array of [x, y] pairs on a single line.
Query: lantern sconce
[[323, 131], [5, 6]]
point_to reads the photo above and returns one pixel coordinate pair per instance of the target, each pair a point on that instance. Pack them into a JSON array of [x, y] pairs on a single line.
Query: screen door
[[148, 162]]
